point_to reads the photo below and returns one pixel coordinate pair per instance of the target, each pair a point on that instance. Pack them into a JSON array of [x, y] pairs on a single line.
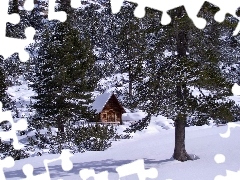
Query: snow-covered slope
[[21, 94], [156, 149]]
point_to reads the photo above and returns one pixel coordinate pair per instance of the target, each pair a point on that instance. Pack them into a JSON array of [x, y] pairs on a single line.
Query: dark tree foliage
[[194, 64], [4, 98], [64, 76]]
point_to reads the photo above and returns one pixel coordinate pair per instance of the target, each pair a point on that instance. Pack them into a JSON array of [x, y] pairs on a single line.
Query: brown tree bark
[[130, 79], [180, 152]]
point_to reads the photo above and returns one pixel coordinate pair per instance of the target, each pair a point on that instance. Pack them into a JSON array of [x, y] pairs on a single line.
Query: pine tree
[[194, 63], [65, 76], [128, 56]]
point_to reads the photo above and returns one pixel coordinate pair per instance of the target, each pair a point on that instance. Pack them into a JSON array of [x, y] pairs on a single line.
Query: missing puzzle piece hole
[[67, 165], [30, 32], [27, 170], [139, 12], [166, 19], [116, 5], [24, 56], [152, 173], [29, 5], [200, 23], [219, 16], [8, 162], [14, 18], [75, 4], [219, 158], [85, 174]]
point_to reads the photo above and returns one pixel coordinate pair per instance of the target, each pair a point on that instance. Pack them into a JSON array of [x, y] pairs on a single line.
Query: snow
[[101, 101], [21, 94], [109, 83], [156, 148], [196, 92], [133, 116], [236, 99], [157, 122]]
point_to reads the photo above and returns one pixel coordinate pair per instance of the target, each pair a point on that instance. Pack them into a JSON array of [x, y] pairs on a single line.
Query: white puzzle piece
[[192, 8]]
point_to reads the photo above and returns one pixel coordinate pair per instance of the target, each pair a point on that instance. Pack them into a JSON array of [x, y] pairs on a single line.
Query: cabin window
[[104, 116], [111, 116]]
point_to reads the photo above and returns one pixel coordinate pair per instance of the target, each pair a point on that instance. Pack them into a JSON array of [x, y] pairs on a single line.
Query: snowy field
[[155, 146]]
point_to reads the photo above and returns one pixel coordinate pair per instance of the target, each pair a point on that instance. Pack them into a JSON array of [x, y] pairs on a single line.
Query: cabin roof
[[101, 101]]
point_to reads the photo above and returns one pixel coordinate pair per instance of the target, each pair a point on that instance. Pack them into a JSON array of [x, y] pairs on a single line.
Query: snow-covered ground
[[21, 94], [156, 148], [155, 145]]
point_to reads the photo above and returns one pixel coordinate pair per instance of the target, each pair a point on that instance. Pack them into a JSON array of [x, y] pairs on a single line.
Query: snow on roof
[[101, 101]]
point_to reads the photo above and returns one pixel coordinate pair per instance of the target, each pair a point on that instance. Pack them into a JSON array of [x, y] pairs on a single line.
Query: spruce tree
[[65, 76], [194, 63], [128, 53]]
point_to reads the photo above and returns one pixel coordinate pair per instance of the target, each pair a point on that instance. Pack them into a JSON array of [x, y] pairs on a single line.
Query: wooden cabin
[[108, 109]]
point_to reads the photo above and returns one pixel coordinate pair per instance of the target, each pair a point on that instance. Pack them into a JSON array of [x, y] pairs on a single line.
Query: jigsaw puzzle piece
[[230, 125], [53, 15], [233, 174], [5, 17], [28, 171], [137, 167], [142, 4], [18, 126], [66, 163], [231, 8], [8, 162], [192, 8], [212, 12], [60, 15], [230, 175], [87, 173], [9, 46]]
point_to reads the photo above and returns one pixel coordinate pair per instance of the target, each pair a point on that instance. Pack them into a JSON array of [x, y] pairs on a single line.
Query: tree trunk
[[180, 152], [60, 127], [130, 79]]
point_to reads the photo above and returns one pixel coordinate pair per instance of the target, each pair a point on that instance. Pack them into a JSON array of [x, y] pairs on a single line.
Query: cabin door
[[111, 116]]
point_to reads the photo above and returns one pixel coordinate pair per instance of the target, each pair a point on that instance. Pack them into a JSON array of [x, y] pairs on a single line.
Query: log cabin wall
[[112, 112]]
